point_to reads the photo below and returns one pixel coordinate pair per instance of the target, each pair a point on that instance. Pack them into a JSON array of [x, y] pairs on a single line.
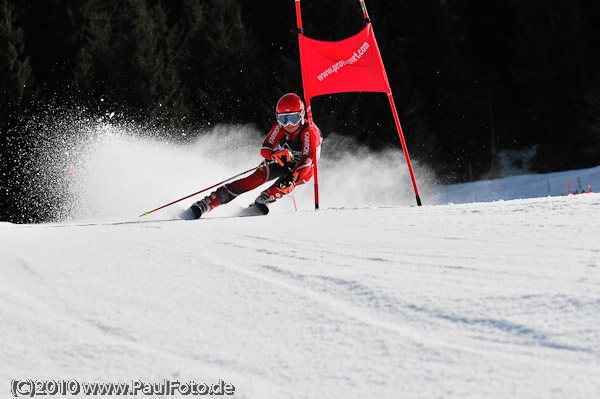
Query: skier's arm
[[271, 141], [311, 139]]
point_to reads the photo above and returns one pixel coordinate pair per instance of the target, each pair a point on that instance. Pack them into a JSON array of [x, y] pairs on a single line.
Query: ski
[[255, 210]]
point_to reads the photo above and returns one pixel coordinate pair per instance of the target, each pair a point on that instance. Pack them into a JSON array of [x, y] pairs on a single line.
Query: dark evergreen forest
[[470, 78]]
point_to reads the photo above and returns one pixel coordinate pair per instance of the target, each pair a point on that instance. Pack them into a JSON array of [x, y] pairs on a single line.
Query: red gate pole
[[410, 169], [307, 98], [395, 112]]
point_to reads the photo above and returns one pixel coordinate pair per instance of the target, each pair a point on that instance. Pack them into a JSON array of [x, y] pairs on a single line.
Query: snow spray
[[105, 168]]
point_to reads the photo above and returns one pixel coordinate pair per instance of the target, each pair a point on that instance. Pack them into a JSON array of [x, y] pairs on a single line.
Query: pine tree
[[16, 90], [589, 115], [91, 39], [550, 77], [222, 63], [15, 69]]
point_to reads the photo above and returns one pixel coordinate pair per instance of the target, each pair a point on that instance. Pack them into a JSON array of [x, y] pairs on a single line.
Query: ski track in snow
[[481, 300]]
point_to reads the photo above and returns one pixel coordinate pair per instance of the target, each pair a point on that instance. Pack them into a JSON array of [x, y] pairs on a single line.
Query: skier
[[290, 145]]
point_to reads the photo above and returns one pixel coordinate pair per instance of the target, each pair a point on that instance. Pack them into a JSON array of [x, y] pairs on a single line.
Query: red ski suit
[[304, 143]]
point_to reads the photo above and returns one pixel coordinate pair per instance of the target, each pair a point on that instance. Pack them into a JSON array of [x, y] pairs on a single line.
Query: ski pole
[[262, 165]]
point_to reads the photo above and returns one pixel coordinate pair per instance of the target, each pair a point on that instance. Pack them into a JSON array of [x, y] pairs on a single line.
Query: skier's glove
[[282, 156], [287, 186]]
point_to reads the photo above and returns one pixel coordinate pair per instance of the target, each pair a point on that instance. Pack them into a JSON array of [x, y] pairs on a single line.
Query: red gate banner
[[353, 64]]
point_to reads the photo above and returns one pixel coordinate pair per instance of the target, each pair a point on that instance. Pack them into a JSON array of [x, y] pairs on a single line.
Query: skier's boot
[[262, 202], [205, 205], [265, 198]]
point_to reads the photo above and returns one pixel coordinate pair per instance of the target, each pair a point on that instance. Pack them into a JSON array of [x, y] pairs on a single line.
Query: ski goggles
[[290, 118]]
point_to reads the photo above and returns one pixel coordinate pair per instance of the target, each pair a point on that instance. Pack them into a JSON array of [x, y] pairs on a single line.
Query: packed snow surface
[[454, 299], [480, 300]]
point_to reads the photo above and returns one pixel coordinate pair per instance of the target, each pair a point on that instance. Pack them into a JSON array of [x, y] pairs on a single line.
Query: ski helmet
[[290, 109]]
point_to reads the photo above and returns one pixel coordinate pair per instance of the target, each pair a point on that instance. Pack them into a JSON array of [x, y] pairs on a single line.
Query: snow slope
[[362, 299], [523, 186], [486, 300]]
